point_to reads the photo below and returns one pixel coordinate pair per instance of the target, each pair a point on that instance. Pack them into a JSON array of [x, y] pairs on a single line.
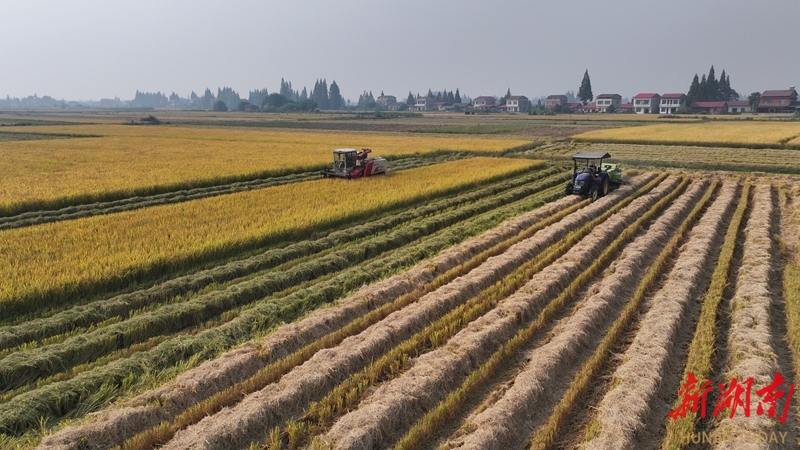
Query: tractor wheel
[[593, 193], [605, 187]]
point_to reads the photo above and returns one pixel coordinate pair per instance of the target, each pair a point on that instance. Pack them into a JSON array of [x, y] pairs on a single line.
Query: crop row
[[612, 298], [485, 344], [190, 387], [103, 310], [320, 373], [701, 351], [64, 398], [697, 252], [751, 349], [16, 369], [53, 264], [128, 204]]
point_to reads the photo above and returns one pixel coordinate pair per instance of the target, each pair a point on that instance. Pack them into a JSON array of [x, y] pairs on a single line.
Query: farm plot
[[505, 345], [116, 355], [52, 264], [710, 134], [125, 161], [576, 223]]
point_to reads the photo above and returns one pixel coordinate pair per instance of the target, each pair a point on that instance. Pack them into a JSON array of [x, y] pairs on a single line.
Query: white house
[[518, 103], [671, 103], [737, 107], [646, 103], [604, 101], [423, 103]]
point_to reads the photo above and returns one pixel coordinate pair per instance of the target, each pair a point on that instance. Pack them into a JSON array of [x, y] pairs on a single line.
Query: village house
[[518, 103], [573, 107], [423, 103], [671, 103], [552, 100], [591, 108], [386, 100], [779, 101], [483, 101], [710, 107], [604, 101], [646, 103], [739, 107]]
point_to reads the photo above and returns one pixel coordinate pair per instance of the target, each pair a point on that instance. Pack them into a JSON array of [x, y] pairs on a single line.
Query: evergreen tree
[[229, 96], [258, 97], [220, 106], [430, 94], [336, 101], [410, 101], [303, 94], [585, 91], [694, 91], [457, 98], [450, 97], [703, 90], [508, 94], [712, 87]]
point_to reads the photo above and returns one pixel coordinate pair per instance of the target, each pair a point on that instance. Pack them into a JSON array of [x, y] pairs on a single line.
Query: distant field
[[139, 160], [722, 134]]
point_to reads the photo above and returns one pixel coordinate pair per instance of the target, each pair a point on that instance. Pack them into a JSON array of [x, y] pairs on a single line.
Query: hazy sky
[[101, 49]]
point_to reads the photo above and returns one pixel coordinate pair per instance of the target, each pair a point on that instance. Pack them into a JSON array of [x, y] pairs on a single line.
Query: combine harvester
[[350, 163], [594, 178]]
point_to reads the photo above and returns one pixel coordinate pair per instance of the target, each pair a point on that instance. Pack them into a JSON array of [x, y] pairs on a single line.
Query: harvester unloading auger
[[595, 178], [349, 163]]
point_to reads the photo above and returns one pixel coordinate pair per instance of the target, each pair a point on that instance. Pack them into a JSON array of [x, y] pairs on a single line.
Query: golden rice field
[[130, 160], [712, 133], [60, 256]]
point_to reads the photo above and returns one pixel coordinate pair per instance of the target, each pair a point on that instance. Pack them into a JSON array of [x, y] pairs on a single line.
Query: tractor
[[593, 178], [350, 163]]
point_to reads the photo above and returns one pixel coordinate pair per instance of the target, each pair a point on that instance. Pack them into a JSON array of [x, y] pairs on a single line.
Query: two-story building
[[671, 103], [646, 103], [552, 100], [604, 101], [483, 101], [779, 101], [386, 100], [518, 103], [423, 103]]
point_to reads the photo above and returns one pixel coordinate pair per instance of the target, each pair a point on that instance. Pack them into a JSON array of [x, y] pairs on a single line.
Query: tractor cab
[[591, 176], [350, 163]]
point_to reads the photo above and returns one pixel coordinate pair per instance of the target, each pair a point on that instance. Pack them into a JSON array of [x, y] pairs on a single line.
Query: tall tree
[[712, 87], [703, 90], [754, 99], [457, 97], [585, 91], [410, 101], [694, 91], [335, 97]]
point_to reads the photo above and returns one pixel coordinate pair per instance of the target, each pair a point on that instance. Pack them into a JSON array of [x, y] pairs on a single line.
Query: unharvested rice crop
[[719, 134], [126, 160], [53, 260]]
